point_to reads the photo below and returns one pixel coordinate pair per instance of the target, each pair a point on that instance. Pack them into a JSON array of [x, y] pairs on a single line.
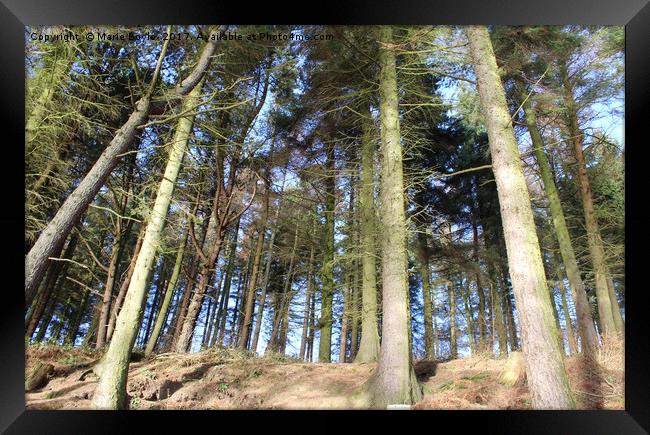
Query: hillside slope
[[226, 379]]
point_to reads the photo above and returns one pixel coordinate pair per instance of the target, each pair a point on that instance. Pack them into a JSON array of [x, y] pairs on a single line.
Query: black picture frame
[[15, 14]]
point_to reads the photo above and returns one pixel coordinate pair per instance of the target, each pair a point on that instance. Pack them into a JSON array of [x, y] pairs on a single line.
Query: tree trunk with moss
[[583, 312], [545, 370], [394, 381], [113, 368], [369, 344], [608, 309]]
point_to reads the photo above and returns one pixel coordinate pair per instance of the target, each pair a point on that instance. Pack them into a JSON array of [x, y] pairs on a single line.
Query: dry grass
[[230, 379], [611, 355]]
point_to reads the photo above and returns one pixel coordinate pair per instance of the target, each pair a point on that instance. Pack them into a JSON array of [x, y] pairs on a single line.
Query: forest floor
[[227, 379]]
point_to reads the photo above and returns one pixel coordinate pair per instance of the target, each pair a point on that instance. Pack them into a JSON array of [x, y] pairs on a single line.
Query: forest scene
[[324, 217]]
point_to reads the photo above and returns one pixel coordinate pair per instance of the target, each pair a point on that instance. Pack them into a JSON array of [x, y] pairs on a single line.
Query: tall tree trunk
[[436, 344], [113, 264], [394, 381], [73, 330], [608, 309], [276, 340], [469, 316], [117, 305], [556, 315], [171, 285], [92, 328], [267, 270], [57, 269], [312, 328], [153, 311], [241, 284], [571, 336], [193, 301], [308, 296], [509, 311], [354, 314], [482, 324], [327, 271], [223, 306], [426, 295], [113, 368], [211, 318], [252, 287], [189, 322], [497, 315], [583, 312], [282, 341], [369, 344], [546, 374], [345, 319], [453, 332]]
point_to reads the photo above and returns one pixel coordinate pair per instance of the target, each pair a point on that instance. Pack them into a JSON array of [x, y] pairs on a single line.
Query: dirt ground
[[226, 379]]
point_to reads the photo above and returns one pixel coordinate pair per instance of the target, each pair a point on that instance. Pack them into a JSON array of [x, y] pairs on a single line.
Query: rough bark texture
[[547, 377], [583, 312], [369, 344], [394, 381], [111, 388]]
